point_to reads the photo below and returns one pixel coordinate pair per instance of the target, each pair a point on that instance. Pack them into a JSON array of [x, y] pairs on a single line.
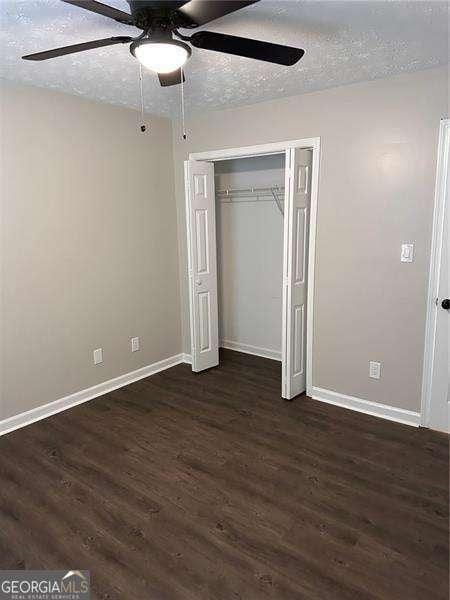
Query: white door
[[201, 227], [439, 395], [295, 260]]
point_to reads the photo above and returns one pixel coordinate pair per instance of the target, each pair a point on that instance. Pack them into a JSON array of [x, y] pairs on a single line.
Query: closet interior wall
[[250, 253]]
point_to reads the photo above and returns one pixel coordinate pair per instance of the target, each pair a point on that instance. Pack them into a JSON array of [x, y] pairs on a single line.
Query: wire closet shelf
[[253, 194]]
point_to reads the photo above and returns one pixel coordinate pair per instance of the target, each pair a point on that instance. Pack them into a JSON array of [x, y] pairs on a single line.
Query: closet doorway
[[251, 222]]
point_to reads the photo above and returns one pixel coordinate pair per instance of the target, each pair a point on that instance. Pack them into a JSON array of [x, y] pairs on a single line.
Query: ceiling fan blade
[[231, 44], [103, 9], [200, 12], [174, 78], [77, 48]]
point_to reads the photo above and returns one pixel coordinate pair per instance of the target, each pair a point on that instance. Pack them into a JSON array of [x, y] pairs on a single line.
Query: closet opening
[[249, 228], [250, 218]]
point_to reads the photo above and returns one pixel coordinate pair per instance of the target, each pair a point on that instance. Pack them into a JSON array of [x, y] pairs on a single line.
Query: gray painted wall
[[250, 254], [89, 245], [379, 143], [89, 252]]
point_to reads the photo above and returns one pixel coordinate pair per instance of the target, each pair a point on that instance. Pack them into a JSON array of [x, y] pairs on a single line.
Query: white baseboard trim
[[248, 349], [46, 410], [384, 411], [400, 415]]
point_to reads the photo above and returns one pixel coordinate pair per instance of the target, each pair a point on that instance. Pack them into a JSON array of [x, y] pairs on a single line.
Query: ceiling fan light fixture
[[161, 56]]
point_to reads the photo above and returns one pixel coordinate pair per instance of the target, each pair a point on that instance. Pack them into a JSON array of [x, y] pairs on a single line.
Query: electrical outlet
[[374, 369], [135, 344], [407, 254], [98, 356]]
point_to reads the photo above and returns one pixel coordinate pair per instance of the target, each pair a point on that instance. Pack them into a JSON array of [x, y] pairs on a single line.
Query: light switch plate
[[98, 356], [407, 254], [374, 369], [135, 344]]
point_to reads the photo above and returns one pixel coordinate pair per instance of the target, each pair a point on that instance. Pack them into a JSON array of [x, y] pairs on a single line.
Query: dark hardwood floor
[[209, 486]]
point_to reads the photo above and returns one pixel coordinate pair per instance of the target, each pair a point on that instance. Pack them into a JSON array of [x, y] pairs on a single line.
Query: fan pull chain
[[141, 88], [182, 106]]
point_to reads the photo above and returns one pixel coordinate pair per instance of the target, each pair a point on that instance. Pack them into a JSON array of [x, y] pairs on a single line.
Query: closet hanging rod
[[256, 191], [247, 200]]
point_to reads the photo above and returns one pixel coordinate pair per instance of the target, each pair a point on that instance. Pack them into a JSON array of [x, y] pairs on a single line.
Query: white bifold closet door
[[200, 212], [296, 226]]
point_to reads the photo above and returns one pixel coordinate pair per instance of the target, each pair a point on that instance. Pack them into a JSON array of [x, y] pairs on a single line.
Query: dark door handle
[[446, 303]]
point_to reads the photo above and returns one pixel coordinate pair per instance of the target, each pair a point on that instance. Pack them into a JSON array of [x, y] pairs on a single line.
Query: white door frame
[[435, 263], [279, 148]]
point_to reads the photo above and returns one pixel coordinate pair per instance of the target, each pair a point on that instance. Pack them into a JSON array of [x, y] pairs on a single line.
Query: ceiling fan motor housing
[[151, 14]]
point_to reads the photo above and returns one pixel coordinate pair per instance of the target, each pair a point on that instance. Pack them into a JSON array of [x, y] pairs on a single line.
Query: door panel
[[201, 233], [298, 340], [296, 225], [300, 254], [201, 225], [204, 311]]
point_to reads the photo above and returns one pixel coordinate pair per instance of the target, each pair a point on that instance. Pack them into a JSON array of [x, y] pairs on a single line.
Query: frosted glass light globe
[[161, 57]]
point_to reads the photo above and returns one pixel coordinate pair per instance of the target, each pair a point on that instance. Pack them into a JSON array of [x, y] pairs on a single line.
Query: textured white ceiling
[[345, 42]]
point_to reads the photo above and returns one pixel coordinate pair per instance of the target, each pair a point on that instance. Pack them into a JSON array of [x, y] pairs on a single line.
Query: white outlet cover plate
[[407, 254], [98, 356], [374, 369]]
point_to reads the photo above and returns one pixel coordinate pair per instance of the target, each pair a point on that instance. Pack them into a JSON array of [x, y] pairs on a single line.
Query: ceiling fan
[[159, 20]]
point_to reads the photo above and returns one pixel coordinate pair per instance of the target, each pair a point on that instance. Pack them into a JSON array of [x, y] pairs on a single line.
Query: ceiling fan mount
[[158, 14], [160, 20]]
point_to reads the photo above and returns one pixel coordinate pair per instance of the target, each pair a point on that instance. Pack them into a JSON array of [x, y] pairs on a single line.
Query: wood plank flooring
[[208, 486]]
